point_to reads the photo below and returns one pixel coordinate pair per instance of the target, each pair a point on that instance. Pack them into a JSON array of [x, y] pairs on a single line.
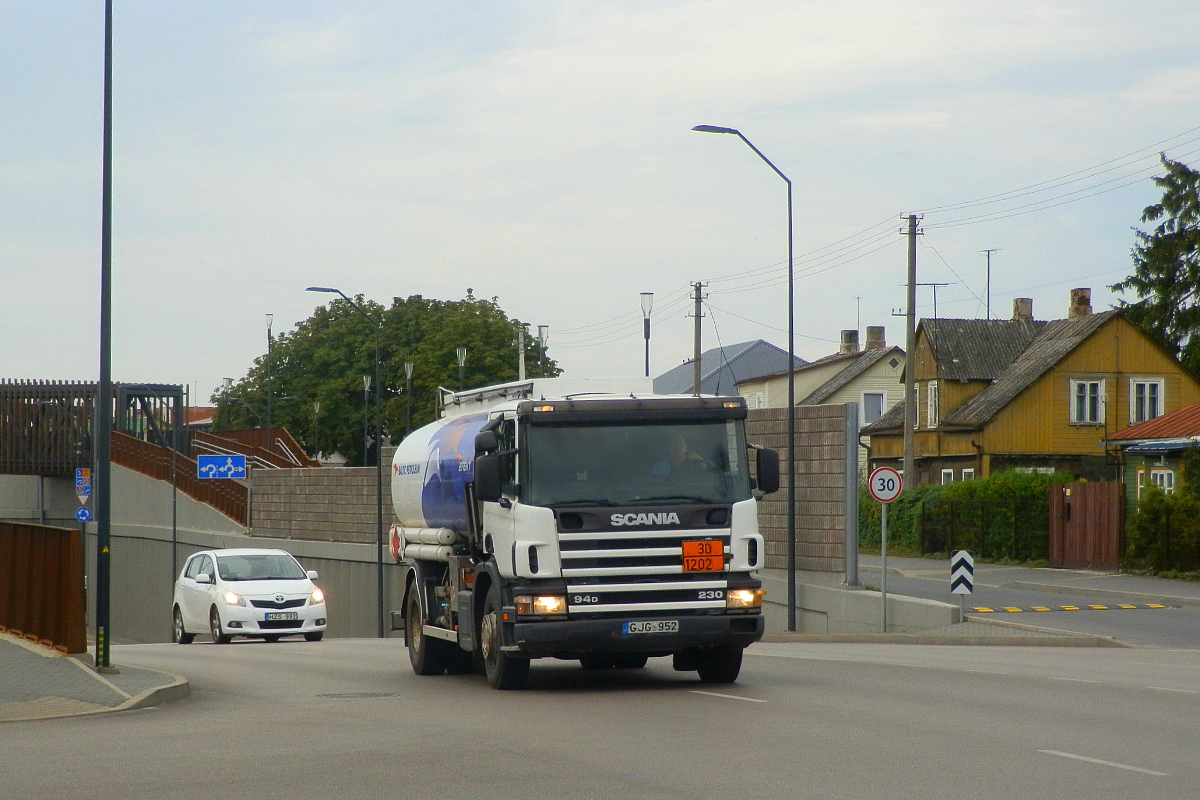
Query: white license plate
[[282, 615], [652, 626]]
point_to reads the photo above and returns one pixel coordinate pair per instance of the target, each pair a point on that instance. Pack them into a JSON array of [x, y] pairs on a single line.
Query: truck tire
[[719, 665], [503, 670], [428, 656]]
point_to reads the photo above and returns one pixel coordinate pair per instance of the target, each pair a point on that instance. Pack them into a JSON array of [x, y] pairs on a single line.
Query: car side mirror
[[312, 574], [487, 478], [204, 577], [768, 470]]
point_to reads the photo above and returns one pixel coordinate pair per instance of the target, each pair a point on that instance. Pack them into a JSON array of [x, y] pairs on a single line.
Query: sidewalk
[[39, 683]]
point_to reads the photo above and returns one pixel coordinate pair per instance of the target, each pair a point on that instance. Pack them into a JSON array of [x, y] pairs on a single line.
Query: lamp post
[[462, 363], [378, 454], [647, 304], [408, 370], [791, 427], [543, 335], [366, 417], [270, 438], [316, 447]]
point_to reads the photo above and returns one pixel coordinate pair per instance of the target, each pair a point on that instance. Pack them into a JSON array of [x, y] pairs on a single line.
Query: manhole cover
[[358, 695]]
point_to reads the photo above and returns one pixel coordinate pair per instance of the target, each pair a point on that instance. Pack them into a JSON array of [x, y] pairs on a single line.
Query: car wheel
[[181, 635], [314, 637], [720, 664], [272, 638], [214, 627], [427, 656], [504, 671]]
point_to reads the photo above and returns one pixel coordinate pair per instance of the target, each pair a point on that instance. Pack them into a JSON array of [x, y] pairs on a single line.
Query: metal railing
[[228, 497]]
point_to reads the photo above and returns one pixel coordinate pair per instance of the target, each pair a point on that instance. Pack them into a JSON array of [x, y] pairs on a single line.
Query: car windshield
[[259, 567], [635, 464]]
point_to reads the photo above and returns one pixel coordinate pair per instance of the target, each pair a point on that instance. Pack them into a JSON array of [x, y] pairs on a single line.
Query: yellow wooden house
[[1029, 394]]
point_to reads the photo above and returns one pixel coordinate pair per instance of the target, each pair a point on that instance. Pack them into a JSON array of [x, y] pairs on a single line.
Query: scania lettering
[[580, 520]]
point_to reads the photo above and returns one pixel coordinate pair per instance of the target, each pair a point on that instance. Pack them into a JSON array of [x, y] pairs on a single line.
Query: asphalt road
[[347, 718]]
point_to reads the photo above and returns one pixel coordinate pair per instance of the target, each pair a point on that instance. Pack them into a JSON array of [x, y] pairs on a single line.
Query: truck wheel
[[719, 665], [427, 656], [503, 671]]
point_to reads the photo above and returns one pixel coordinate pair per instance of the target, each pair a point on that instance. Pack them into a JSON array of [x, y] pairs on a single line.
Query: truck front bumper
[[570, 638]]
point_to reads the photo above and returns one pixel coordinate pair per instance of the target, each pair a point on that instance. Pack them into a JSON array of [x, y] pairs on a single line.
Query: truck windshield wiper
[[583, 502], [664, 498]]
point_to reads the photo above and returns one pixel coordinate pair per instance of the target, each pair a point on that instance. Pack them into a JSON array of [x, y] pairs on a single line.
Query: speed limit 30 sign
[[885, 484]]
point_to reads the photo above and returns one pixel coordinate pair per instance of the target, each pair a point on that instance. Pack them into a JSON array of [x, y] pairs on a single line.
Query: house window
[[947, 476], [931, 399], [1141, 481], [760, 399], [1145, 399], [1164, 479], [874, 404], [1087, 402], [968, 474]]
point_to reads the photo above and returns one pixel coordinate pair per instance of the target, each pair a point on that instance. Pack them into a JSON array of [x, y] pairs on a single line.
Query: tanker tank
[[430, 469]]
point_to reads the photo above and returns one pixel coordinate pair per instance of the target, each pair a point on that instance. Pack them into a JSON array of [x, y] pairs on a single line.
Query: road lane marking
[[1165, 689], [1075, 680], [727, 696], [1104, 763]]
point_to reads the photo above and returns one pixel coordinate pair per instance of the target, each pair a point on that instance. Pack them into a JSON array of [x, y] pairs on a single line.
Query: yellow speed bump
[[1069, 608], [1040, 608], [1013, 609], [982, 610]]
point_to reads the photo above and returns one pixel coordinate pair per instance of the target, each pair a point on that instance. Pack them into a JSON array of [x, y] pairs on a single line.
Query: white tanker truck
[[580, 520]]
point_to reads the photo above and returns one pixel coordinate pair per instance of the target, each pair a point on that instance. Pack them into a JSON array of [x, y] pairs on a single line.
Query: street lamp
[[408, 370], [543, 334], [378, 452], [270, 438], [791, 451], [647, 304], [462, 363]]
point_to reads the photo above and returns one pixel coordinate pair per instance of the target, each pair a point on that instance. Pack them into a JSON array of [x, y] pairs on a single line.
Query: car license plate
[[282, 615], [652, 626], [703, 556]]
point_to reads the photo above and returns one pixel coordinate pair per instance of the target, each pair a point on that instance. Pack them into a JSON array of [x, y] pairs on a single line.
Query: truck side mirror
[[486, 442], [487, 478], [768, 470]]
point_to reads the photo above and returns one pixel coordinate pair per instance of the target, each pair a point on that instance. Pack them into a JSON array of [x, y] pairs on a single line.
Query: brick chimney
[[1022, 309], [849, 343], [875, 339], [1081, 304]]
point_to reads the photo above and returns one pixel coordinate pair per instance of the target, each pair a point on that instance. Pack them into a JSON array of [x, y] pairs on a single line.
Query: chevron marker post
[[962, 576]]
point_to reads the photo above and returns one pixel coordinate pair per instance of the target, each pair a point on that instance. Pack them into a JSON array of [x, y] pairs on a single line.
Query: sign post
[[962, 578], [885, 486]]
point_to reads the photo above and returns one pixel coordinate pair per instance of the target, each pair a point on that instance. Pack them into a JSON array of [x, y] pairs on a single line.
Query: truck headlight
[[744, 598], [232, 598], [541, 604]]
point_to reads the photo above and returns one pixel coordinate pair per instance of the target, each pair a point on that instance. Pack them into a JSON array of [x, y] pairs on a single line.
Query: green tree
[[1166, 277], [325, 358]]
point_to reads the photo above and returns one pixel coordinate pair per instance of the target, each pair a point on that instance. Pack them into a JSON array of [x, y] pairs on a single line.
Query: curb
[[178, 689]]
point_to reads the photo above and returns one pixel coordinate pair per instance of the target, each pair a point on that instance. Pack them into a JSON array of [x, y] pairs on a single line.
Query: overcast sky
[[541, 153]]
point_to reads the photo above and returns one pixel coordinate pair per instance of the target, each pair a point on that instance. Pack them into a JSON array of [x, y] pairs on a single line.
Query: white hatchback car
[[250, 592]]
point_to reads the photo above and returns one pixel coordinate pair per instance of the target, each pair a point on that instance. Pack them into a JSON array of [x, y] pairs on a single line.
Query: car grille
[[278, 624], [273, 604]]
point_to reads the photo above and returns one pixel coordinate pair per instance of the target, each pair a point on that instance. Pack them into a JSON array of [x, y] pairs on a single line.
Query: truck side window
[[507, 434]]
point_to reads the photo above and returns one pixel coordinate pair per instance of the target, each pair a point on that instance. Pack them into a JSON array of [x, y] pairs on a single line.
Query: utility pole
[[270, 320], [910, 360], [697, 314], [521, 352], [935, 287], [989, 278], [543, 335]]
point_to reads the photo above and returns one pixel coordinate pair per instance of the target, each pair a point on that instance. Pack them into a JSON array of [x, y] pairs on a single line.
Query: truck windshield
[[635, 464]]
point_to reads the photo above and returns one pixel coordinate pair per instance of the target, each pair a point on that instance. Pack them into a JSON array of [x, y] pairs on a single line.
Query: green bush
[[1165, 532]]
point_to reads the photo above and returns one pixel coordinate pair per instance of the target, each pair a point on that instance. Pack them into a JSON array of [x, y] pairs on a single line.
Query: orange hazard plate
[[703, 556]]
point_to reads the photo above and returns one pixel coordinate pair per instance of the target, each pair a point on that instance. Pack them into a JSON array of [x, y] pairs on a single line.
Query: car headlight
[[316, 598], [541, 604], [744, 598], [232, 598]]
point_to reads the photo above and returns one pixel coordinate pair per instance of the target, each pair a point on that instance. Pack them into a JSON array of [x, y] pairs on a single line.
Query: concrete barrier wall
[[821, 481], [323, 504]]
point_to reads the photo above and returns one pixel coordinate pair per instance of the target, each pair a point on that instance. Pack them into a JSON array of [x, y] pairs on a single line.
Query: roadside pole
[[885, 486]]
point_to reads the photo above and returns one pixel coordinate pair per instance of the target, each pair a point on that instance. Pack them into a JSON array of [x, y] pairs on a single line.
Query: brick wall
[[332, 504], [820, 486]]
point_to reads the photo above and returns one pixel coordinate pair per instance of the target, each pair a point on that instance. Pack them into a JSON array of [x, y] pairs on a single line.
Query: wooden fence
[[41, 585]]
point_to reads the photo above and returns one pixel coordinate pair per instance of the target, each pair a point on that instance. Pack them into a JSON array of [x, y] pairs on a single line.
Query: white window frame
[[947, 477], [883, 406], [968, 474], [932, 415], [1163, 478], [1160, 385], [1099, 397]]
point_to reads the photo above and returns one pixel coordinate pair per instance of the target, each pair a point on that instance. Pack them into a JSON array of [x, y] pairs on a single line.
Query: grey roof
[[978, 349], [1056, 340], [890, 422], [861, 363], [722, 368]]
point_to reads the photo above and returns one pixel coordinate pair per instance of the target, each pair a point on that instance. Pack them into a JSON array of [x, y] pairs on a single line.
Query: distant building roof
[[862, 361], [978, 349], [723, 368], [1182, 424]]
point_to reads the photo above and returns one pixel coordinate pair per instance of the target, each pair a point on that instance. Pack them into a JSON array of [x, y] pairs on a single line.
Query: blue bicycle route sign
[[220, 467]]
